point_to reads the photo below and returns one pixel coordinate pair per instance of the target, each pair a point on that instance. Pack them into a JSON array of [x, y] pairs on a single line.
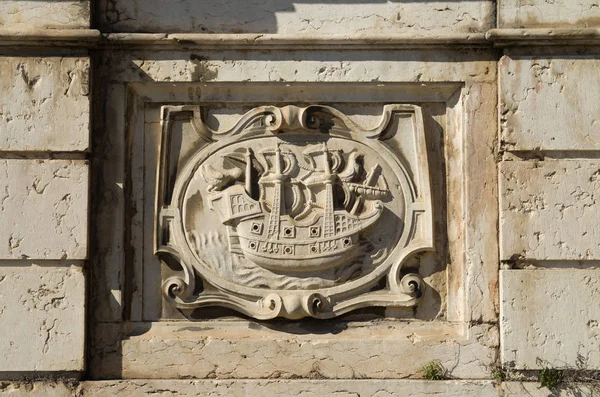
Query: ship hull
[[284, 256], [301, 248]]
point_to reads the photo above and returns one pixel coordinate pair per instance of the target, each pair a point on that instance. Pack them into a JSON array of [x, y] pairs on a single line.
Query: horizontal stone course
[[321, 388], [550, 319], [251, 351], [548, 103], [283, 17], [548, 210], [235, 388], [45, 103], [43, 209], [41, 320]]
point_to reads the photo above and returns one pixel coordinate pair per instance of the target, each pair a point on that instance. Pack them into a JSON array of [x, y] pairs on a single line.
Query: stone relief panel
[[293, 211], [157, 96]]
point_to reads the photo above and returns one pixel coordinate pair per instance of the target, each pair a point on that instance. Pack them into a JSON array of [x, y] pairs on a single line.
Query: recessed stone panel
[[44, 104], [263, 102], [548, 209], [41, 319], [547, 103], [43, 209], [550, 318], [63, 14], [548, 14]]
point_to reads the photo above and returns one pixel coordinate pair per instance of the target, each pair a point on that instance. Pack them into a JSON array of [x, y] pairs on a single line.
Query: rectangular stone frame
[[124, 344]]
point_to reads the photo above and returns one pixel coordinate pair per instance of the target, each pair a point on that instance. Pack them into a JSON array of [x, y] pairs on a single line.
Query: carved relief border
[[311, 239]]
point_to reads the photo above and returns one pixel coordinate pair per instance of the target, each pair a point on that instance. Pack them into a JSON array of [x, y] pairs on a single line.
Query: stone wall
[[487, 126]]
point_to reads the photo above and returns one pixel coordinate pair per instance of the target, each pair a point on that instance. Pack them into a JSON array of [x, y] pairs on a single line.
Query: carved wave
[[213, 249]]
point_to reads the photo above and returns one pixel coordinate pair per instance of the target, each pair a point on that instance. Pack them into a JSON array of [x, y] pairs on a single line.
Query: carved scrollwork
[[295, 212]]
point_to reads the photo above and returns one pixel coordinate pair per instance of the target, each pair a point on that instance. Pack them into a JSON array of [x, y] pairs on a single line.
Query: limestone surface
[[43, 209], [28, 14], [44, 104], [41, 319], [548, 13], [533, 389], [216, 388], [547, 103], [234, 350], [548, 209], [415, 66], [550, 318], [285, 16]]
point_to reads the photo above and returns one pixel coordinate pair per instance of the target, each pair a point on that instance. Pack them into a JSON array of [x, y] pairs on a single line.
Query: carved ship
[[313, 235]]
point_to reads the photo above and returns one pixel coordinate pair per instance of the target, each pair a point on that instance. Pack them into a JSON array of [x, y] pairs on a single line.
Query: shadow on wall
[[242, 16]]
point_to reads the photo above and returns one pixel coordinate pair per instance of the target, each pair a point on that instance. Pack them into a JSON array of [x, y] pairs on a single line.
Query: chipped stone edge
[[93, 38], [545, 36]]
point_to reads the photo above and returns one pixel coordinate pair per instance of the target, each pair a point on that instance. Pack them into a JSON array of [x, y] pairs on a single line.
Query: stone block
[[34, 14], [550, 318], [286, 17], [533, 389], [548, 209], [36, 389], [423, 66], [41, 319], [44, 104], [43, 209], [548, 103], [234, 350], [548, 14]]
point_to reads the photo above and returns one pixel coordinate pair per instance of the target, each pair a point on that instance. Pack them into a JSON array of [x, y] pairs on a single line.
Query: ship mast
[[276, 209], [328, 217], [248, 177]]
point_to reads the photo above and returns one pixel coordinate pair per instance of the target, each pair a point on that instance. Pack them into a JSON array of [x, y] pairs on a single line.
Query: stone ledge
[[493, 37], [307, 388], [546, 36], [241, 350]]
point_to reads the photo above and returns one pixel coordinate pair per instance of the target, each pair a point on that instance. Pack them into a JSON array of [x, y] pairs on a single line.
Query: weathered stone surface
[[548, 209], [234, 349], [533, 389], [37, 389], [41, 319], [44, 104], [416, 66], [548, 13], [43, 209], [71, 14], [547, 103], [320, 388], [283, 16], [309, 388], [550, 318]]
